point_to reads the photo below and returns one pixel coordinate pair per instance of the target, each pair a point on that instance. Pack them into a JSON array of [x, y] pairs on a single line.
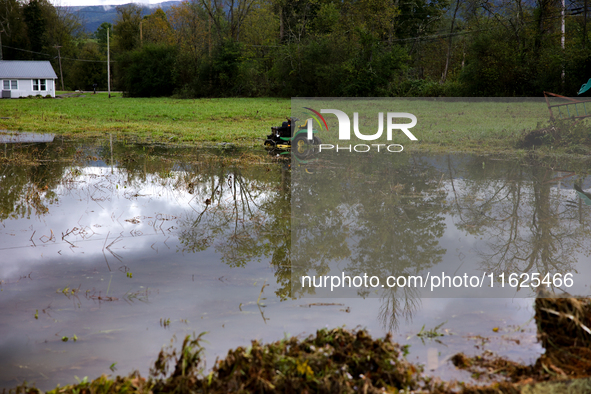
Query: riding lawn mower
[[286, 136]]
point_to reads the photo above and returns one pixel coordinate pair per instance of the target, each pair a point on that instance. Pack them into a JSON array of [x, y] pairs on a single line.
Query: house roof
[[26, 69]]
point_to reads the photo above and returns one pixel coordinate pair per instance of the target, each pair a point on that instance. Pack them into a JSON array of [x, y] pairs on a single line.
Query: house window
[[10, 84], [39, 84]]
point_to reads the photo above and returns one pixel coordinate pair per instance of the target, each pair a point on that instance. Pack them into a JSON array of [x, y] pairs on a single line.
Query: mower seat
[[305, 125]]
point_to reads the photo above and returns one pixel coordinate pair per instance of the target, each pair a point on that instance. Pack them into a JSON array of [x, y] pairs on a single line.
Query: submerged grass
[[333, 361], [460, 125], [343, 361]]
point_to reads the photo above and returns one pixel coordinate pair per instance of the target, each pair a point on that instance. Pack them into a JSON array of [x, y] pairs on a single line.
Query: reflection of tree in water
[[28, 177], [247, 218], [398, 231], [395, 306], [526, 221], [139, 161], [244, 213], [372, 217], [32, 172]]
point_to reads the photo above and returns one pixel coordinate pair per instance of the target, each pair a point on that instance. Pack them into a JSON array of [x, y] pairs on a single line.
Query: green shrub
[[148, 71]]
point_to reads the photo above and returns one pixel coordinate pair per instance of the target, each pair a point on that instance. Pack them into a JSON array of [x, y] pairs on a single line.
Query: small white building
[[22, 78]]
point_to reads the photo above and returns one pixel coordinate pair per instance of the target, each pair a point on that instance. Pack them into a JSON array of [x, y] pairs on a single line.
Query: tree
[[189, 24], [228, 16], [148, 71], [451, 31], [36, 24], [127, 27], [101, 33], [63, 28], [13, 31], [84, 74], [156, 28]]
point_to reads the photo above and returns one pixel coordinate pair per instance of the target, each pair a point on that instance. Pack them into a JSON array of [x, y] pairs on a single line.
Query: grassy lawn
[[244, 122], [442, 125], [471, 125]]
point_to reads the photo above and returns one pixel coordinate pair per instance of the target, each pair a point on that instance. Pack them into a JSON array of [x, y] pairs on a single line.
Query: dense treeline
[[36, 30], [314, 47]]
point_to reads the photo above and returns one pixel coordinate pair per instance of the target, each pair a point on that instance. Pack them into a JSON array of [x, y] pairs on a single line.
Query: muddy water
[[107, 253]]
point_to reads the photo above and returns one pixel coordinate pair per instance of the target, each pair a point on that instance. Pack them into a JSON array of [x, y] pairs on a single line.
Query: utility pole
[[209, 28], [281, 25], [585, 26], [562, 40], [141, 35], [60, 61], [449, 42], [1, 31], [108, 64]]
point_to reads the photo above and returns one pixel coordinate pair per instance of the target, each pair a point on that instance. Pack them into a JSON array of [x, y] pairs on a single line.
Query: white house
[[22, 78]]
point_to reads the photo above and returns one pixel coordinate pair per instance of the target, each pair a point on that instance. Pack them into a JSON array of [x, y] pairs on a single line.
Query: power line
[[436, 36], [54, 57]]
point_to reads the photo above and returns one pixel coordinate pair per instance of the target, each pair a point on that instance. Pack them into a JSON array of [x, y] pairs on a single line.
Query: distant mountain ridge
[[94, 15]]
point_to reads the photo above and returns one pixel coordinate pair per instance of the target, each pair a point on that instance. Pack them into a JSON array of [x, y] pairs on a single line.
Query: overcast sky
[[100, 2]]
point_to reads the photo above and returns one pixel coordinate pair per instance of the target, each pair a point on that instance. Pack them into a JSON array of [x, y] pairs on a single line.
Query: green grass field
[[442, 125], [472, 125], [244, 122]]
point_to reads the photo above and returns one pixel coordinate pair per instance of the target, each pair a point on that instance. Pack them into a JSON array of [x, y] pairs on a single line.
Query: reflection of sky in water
[[196, 291], [91, 206], [96, 241], [467, 252], [497, 218]]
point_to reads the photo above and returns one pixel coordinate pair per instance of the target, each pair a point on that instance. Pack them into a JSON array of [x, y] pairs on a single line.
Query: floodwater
[[109, 251], [7, 137]]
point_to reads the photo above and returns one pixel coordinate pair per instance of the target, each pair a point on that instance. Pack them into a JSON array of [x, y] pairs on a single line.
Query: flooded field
[[108, 250]]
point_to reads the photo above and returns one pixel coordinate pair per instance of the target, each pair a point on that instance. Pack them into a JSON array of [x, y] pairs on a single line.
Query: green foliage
[[306, 70], [36, 24], [361, 66], [84, 74], [313, 48], [101, 33], [13, 30], [127, 27], [225, 65], [149, 71], [419, 18], [372, 68], [327, 19], [494, 68], [426, 88]]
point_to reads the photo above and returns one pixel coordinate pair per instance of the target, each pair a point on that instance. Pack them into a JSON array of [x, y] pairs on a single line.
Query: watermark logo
[[392, 124], [316, 116]]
